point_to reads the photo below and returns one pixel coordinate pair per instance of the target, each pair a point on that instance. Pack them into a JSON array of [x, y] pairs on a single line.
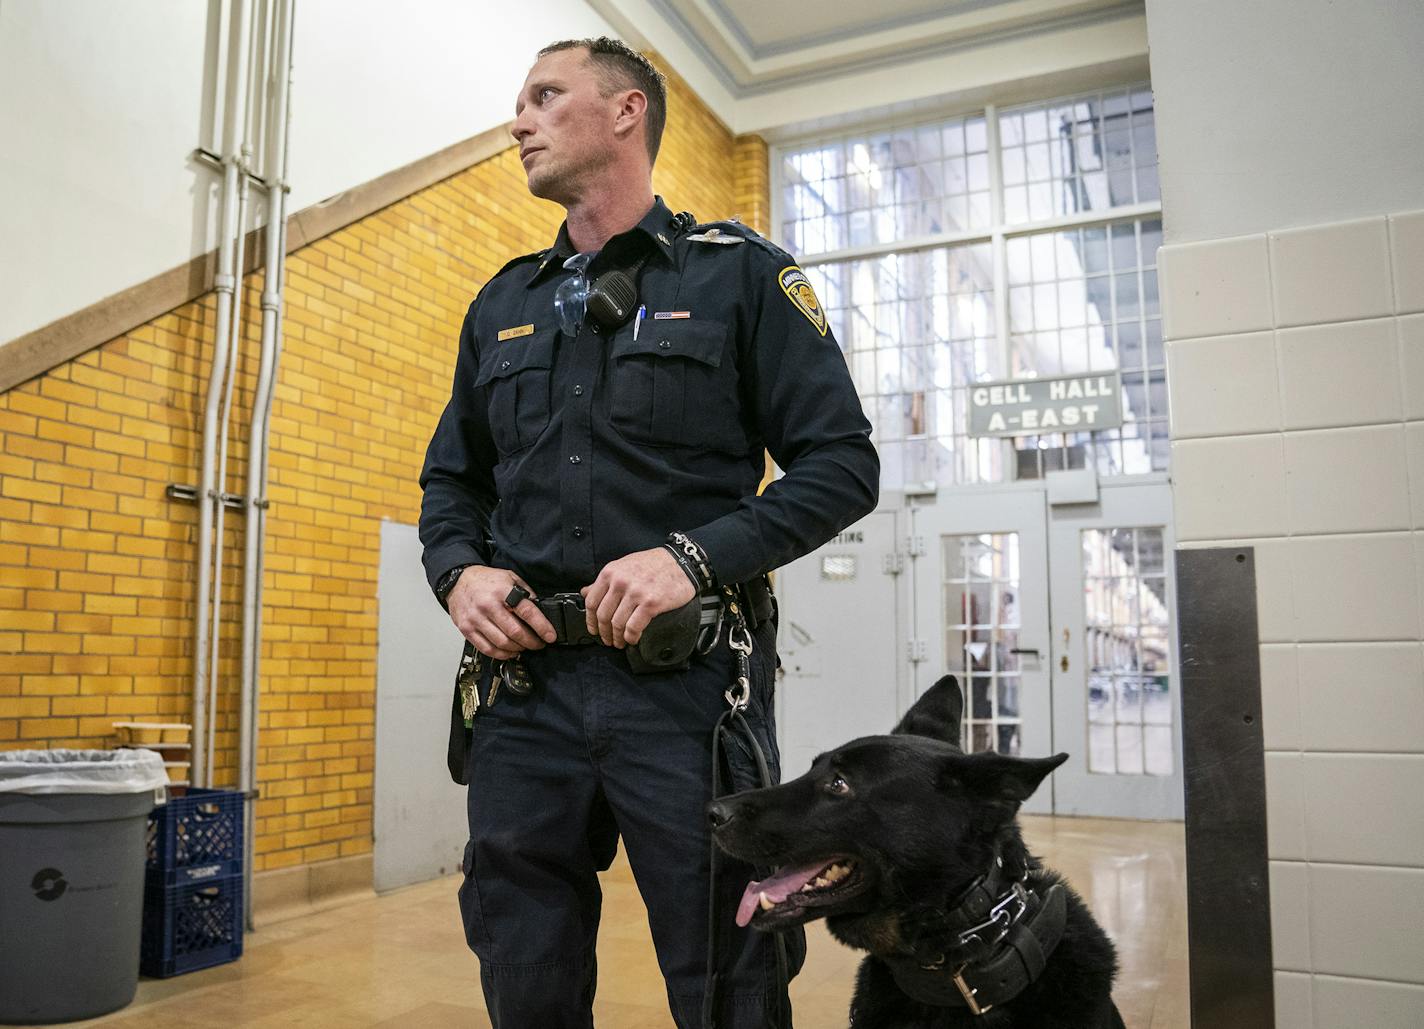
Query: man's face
[[564, 127]]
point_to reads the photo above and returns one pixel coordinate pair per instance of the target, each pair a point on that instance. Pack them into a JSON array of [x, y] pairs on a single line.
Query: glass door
[[981, 614], [1116, 708]]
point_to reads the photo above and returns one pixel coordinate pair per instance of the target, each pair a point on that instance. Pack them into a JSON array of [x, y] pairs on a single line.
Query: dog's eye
[[838, 786]]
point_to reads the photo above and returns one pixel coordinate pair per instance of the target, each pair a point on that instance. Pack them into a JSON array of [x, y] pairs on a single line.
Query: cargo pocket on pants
[[471, 910]]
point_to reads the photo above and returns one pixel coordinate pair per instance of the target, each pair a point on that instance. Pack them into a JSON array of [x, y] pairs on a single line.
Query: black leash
[[733, 722]]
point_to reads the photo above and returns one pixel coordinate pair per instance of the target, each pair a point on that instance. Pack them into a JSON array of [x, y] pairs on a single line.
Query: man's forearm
[[822, 492]]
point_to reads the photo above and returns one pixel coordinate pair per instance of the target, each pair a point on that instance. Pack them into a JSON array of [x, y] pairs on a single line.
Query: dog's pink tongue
[[780, 885]]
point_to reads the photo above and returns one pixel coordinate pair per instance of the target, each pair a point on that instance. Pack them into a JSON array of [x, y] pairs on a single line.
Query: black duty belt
[[567, 612]]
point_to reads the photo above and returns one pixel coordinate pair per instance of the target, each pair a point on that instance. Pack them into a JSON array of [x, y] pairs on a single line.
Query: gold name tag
[[516, 332]]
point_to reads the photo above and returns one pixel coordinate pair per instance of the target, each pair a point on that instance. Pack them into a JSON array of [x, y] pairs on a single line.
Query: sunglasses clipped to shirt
[[608, 301]]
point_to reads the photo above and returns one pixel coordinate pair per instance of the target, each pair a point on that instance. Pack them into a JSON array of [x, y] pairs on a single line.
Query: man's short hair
[[619, 66]]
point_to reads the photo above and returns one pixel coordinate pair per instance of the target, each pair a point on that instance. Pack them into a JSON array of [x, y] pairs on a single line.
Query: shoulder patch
[[797, 287]]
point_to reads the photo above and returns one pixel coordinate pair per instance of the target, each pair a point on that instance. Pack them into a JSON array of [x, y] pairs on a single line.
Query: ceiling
[[756, 46]]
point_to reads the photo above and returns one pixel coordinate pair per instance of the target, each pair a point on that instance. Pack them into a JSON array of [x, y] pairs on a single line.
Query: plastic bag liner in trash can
[[72, 826]]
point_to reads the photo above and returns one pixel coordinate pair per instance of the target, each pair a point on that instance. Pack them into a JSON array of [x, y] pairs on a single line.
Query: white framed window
[[1002, 244]]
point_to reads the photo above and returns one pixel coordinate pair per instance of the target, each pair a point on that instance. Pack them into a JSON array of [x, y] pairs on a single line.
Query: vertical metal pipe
[[259, 435], [210, 496]]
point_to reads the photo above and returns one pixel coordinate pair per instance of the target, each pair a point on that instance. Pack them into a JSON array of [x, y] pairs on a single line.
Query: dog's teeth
[[808, 887], [821, 880], [836, 872], [766, 904]]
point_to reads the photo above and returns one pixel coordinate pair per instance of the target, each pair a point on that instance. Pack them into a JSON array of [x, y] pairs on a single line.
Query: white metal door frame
[[1079, 791], [1018, 509]]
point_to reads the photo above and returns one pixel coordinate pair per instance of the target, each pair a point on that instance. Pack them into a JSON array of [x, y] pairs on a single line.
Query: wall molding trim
[[64, 339]]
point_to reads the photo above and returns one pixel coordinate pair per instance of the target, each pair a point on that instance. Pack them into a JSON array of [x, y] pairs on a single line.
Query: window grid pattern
[[1127, 651], [1086, 300], [1086, 153], [887, 186], [919, 328], [981, 587]]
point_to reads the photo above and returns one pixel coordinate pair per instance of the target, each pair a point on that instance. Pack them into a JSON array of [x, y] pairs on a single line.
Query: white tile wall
[[1280, 697], [1322, 472], [1290, 915], [1293, 1000], [1354, 587], [1411, 345], [1218, 287], [1406, 240], [1340, 1003], [1367, 922], [1364, 808], [1229, 486], [1331, 273], [1347, 480], [1340, 374], [1203, 403], [1360, 697], [1285, 810], [1414, 443]]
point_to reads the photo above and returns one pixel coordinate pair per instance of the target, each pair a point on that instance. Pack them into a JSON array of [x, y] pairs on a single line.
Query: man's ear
[[631, 110], [936, 714], [998, 777]]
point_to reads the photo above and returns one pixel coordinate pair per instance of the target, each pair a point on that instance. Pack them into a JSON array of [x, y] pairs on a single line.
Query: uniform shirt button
[[578, 532], [578, 391], [575, 459], [665, 344], [504, 364]]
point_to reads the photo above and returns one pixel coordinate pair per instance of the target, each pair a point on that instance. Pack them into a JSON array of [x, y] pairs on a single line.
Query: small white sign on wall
[[1029, 407]]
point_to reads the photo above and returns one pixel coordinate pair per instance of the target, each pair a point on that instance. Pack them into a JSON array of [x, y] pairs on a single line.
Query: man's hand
[[629, 592], [477, 608]]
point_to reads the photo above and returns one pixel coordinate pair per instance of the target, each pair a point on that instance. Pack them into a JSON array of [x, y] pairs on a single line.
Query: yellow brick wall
[[97, 564], [751, 185]]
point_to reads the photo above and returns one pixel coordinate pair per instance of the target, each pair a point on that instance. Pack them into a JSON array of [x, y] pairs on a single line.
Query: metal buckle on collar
[[968, 993]]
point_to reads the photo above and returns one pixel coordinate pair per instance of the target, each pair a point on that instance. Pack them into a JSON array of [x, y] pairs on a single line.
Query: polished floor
[[400, 960]]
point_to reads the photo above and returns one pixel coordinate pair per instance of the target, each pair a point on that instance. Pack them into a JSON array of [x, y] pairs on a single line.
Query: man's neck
[[594, 220]]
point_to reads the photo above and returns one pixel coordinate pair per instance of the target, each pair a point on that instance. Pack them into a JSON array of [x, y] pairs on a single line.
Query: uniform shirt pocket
[[515, 374], [676, 385]]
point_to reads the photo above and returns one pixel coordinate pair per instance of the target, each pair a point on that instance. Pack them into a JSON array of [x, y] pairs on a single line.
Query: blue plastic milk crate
[[190, 926], [195, 838]]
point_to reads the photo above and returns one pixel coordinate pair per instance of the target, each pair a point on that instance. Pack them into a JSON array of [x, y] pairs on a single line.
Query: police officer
[[616, 458]]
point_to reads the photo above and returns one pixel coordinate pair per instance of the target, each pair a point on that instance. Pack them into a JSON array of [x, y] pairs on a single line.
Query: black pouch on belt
[[668, 641]]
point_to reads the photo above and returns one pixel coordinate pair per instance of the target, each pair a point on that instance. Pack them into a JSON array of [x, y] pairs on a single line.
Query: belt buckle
[[968, 993], [571, 624]]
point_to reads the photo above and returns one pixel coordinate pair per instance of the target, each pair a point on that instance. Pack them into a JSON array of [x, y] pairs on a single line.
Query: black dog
[[909, 848]]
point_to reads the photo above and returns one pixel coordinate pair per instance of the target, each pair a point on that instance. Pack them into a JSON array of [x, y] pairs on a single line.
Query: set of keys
[[511, 674]]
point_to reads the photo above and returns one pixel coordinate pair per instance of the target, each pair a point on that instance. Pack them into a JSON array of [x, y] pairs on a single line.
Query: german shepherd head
[[883, 837], [881, 830]]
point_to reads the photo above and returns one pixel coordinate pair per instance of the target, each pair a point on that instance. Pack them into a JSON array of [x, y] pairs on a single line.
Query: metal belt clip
[[999, 915]]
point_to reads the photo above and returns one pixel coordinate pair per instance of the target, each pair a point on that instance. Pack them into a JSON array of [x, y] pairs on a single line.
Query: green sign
[[1032, 407]]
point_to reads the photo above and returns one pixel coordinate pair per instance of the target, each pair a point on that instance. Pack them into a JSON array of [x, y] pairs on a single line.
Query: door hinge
[[892, 562], [915, 546], [915, 651]]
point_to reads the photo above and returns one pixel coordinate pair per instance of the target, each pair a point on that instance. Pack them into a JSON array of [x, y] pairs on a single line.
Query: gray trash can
[[72, 825]]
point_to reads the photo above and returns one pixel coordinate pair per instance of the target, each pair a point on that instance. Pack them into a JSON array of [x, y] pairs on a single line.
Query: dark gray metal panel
[[1228, 889]]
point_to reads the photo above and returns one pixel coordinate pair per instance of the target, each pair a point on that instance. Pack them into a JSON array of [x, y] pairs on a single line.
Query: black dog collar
[[1000, 944]]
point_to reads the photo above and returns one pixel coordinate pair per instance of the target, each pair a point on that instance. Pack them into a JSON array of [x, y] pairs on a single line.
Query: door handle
[[1064, 663], [1025, 650]]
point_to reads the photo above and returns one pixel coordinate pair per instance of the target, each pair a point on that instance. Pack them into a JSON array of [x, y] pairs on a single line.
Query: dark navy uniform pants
[[594, 753]]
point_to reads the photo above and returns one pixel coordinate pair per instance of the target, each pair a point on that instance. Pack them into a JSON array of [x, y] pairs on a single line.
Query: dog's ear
[[936, 714], [998, 777]]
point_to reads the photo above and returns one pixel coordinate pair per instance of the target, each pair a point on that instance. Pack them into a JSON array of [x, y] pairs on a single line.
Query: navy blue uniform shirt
[[557, 455]]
